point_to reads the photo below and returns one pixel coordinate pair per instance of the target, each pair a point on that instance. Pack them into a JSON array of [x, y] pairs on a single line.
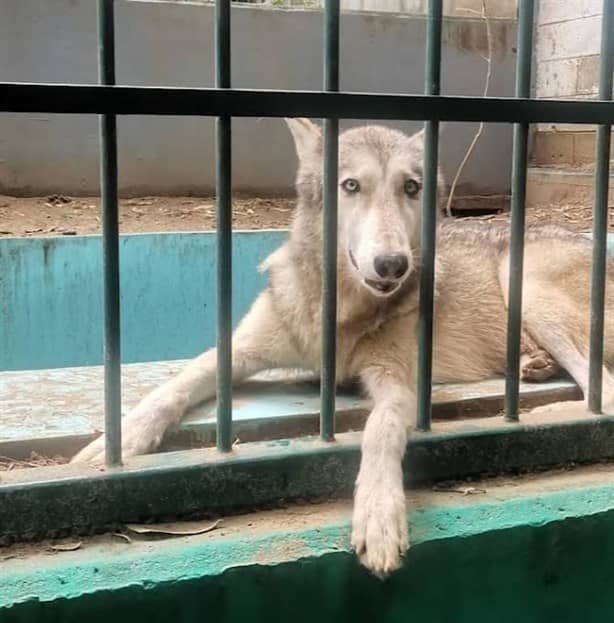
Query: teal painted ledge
[[535, 557], [51, 296]]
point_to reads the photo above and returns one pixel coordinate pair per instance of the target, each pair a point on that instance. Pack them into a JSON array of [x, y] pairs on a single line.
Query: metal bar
[[110, 242], [37, 503], [600, 214], [329, 227], [432, 83], [125, 100], [224, 234], [519, 186]]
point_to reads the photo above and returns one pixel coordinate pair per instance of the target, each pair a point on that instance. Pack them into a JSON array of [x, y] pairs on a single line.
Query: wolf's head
[[379, 199]]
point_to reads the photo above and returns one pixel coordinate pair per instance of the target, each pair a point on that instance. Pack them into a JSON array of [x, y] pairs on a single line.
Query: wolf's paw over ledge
[[379, 532], [142, 430]]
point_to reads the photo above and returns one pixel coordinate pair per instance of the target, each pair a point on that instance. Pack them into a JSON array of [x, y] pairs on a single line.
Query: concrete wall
[[495, 8], [567, 48], [160, 43], [568, 39]]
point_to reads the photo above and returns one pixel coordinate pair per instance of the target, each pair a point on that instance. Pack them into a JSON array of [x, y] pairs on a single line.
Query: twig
[[476, 138]]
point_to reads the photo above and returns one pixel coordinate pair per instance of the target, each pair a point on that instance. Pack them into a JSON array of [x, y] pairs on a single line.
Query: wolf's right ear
[[307, 136]]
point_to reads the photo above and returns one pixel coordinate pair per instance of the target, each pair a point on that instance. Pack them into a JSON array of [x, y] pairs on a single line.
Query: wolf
[[380, 179]]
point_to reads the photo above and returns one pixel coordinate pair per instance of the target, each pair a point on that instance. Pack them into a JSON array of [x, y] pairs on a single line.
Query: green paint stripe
[[98, 568]]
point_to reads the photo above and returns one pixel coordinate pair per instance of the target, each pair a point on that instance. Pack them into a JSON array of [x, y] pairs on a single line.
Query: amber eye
[[350, 185], [411, 188]]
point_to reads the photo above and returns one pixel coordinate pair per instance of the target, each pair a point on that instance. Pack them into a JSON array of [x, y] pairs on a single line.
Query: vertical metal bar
[[224, 234], [110, 241], [329, 254], [519, 185], [600, 214], [432, 81]]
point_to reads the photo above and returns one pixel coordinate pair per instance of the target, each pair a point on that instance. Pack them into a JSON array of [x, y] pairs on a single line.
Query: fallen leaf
[[461, 490], [9, 557], [66, 547], [177, 529], [121, 535]]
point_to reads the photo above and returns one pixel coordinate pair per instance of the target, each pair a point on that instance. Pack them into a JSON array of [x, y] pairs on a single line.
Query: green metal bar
[[43, 502], [432, 81], [600, 214], [224, 234], [110, 242], [519, 186], [329, 216], [125, 100]]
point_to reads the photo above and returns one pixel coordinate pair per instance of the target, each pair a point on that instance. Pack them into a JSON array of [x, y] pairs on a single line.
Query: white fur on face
[[380, 219]]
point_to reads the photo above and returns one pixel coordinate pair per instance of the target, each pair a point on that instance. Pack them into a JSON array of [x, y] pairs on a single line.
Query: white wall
[[162, 43]]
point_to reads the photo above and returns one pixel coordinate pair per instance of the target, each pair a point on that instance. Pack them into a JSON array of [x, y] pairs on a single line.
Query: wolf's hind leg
[[538, 365], [559, 327]]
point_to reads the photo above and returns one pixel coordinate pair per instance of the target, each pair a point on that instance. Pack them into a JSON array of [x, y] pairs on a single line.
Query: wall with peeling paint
[[51, 303], [534, 558], [161, 43]]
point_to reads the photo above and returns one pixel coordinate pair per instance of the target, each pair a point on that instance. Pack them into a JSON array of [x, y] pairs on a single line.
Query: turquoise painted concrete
[[51, 296], [535, 559]]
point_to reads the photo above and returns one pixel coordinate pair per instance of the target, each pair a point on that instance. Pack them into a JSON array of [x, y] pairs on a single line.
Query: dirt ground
[[62, 215]]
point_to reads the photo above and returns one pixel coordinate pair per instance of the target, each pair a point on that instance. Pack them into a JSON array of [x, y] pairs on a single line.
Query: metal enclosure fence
[[124, 489]]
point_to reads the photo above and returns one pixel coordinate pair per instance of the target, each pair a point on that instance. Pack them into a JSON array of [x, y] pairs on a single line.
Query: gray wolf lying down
[[380, 180]]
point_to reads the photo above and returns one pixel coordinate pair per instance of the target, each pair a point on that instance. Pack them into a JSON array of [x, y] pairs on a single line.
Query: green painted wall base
[[537, 558]]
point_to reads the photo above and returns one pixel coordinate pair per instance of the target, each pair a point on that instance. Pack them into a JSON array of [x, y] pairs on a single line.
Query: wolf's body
[[379, 234]]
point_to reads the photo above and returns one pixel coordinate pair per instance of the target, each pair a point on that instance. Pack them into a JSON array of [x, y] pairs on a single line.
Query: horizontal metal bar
[[35, 503], [127, 100]]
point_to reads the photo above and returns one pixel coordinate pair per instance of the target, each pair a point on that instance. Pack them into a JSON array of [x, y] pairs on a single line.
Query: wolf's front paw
[[379, 529], [134, 441], [142, 429]]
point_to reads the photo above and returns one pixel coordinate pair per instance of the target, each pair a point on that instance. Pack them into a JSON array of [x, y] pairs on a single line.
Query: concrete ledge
[[572, 148], [561, 184], [537, 550], [63, 408]]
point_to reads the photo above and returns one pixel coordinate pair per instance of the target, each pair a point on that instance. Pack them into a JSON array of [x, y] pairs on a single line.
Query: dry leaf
[[66, 547], [461, 490], [177, 529], [121, 535]]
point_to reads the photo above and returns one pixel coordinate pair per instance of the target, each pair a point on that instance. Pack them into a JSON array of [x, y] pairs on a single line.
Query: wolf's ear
[[307, 136], [417, 139]]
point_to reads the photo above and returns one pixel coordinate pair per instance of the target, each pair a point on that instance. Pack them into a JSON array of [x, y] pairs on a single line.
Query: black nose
[[392, 266]]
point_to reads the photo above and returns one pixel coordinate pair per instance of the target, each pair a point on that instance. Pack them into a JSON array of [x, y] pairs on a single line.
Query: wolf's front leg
[[379, 526], [260, 342]]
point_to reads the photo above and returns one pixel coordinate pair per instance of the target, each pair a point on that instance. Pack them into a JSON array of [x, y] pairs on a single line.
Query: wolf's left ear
[[418, 137], [307, 136]]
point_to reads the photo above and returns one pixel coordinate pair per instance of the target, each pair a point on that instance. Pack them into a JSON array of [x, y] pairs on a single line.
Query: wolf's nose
[[392, 266]]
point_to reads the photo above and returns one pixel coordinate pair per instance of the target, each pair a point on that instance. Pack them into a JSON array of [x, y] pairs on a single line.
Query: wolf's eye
[[350, 185], [411, 188]]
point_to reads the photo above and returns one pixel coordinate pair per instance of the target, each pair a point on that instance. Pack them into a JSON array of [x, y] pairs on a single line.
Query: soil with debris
[[62, 215], [8, 464], [58, 215]]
